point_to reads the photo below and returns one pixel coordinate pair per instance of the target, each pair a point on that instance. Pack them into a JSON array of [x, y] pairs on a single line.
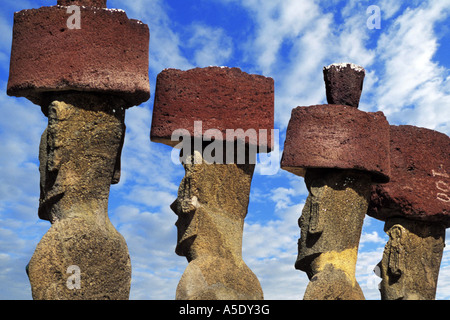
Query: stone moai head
[[415, 205], [198, 204], [80, 153], [83, 85]]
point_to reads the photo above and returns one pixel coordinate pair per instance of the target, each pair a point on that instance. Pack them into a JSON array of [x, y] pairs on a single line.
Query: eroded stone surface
[[221, 98], [337, 137], [100, 253], [420, 177], [109, 55]]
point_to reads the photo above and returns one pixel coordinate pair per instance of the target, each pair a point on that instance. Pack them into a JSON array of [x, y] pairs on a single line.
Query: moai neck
[[411, 260], [80, 155]]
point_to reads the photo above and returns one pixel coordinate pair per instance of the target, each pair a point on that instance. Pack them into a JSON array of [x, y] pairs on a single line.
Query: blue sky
[[407, 77]]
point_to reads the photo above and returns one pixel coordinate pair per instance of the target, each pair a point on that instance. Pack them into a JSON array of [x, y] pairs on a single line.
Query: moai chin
[[340, 151], [83, 80], [213, 197], [415, 206]]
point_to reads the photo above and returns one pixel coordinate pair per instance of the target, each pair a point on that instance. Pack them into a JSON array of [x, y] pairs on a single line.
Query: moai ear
[[396, 250], [43, 156], [316, 222], [118, 166]]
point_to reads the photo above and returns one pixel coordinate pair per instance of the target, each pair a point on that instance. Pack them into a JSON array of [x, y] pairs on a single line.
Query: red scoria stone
[[344, 83], [337, 137], [86, 3], [420, 177], [221, 97], [109, 54]]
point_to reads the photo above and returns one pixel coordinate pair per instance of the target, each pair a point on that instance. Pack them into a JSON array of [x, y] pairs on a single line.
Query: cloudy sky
[[407, 77]]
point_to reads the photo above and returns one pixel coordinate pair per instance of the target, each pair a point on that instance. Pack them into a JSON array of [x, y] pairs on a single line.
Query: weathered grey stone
[[211, 206], [79, 155], [411, 260]]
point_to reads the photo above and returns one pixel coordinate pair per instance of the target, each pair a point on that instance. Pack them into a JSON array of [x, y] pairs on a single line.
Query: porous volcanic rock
[[220, 97], [337, 137], [86, 3], [420, 177], [109, 54], [344, 83]]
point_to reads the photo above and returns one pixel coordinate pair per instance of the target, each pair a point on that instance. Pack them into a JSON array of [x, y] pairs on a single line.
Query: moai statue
[[415, 206], [224, 117], [84, 79], [340, 151]]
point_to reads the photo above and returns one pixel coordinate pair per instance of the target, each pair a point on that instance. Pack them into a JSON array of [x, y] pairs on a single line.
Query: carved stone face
[[79, 154], [411, 260], [211, 206], [333, 215]]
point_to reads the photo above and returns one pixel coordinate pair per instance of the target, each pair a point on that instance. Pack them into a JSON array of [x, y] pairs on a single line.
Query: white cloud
[[372, 237], [211, 46], [165, 44], [270, 250], [413, 88]]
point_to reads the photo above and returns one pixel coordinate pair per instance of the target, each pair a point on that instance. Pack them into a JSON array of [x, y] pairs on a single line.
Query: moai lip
[[213, 197], [108, 54], [220, 97], [420, 177]]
